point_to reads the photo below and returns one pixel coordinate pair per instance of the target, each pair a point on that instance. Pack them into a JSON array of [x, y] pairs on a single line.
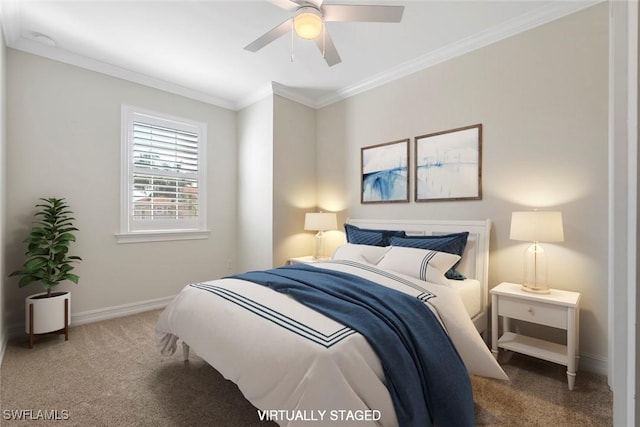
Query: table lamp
[[320, 222]]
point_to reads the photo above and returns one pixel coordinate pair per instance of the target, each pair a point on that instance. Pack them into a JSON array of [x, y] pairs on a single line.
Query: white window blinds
[[164, 183], [165, 172]]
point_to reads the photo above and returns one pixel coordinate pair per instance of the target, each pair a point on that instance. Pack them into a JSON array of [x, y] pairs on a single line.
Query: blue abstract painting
[[385, 172], [447, 165]]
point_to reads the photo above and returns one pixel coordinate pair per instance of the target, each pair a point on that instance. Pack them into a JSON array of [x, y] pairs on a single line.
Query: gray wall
[[63, 140], [276, 181], [255, 186], [542, 99], [294, 178]]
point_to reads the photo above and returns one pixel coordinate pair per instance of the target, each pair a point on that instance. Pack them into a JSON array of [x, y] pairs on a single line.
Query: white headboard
[[475, 259]]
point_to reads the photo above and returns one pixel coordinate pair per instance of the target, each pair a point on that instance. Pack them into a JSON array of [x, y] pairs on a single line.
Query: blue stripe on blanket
[[286, 322], [427, 380]]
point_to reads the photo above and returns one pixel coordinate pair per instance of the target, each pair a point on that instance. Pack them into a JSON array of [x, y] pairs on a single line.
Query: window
[[163, 177]]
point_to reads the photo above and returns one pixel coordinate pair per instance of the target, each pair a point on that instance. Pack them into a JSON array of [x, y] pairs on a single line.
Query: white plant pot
[[48, 313]]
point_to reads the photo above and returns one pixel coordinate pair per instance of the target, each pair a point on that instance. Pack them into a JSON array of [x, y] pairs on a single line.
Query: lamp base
[[318, 253], [535, 270], [536, 290]]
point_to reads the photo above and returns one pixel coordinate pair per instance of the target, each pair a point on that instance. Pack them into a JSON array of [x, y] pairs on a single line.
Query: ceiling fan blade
[[316, 3], [362, 13], [269, 36], [330, 51], [284, 4]]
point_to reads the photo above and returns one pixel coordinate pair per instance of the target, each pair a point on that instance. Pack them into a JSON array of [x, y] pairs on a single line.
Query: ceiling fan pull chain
[[291, 40], [324, 39]]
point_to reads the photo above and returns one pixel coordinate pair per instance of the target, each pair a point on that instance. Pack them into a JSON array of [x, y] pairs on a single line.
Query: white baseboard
[[596, 364], [100, 314], [118, 311]]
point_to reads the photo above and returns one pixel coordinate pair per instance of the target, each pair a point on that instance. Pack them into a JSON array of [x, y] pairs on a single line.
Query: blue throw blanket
[[427, 380]]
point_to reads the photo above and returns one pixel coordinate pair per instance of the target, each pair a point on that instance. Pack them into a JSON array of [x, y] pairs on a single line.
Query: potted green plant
[[49, 263]]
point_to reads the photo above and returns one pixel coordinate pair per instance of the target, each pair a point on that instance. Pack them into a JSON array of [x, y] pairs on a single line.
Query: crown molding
[[492, 35], [255, 96], [64, 56], [293, 95], [275, 88], [9, 20]]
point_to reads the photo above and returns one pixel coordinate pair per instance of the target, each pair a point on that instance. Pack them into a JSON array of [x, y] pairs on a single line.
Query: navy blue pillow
[[449, 243], [362, 236]]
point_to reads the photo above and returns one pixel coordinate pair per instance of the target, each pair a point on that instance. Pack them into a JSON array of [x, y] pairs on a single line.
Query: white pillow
[[422, 264], [360, 253]]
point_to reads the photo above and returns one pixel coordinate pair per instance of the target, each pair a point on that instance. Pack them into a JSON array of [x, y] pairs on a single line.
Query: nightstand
[[559, 309], [304, 260]]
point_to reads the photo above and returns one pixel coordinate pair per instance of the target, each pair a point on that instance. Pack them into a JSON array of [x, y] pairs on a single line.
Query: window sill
[[161, 236]]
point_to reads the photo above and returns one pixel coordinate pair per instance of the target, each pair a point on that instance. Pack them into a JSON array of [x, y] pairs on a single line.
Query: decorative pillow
[[360, 253], [362, 236], [422, 264], [449, 243]]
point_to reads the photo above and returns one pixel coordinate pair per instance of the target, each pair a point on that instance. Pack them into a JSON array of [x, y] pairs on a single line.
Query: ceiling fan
[[310, 16]]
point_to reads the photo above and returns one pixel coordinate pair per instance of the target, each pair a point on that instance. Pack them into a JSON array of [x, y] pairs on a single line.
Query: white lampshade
[[320, 221], [308, 23], [537, 226]]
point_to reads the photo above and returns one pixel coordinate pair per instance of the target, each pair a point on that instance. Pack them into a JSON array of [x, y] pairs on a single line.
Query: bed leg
[[185, 351]]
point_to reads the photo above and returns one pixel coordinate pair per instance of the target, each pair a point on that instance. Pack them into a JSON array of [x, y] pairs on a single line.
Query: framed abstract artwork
[[448, 165], [385, 172]]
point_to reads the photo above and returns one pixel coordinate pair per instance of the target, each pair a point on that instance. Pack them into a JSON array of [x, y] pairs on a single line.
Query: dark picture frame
[[384, 172], [448, 165]]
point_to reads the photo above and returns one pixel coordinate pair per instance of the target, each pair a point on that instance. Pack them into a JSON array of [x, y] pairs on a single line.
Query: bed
[[301, 366]]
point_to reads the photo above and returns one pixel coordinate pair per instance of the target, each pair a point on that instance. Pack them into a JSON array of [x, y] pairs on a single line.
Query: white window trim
[[126, 234], [160, 236]]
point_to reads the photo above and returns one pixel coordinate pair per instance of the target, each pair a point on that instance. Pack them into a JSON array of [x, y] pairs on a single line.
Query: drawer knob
[[530, 310]]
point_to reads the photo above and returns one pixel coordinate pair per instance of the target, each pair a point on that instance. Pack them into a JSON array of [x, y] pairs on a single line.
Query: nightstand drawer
[[532, 311]]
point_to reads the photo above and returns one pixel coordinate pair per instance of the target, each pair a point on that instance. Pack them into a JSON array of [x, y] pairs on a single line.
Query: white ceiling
[[195, 48]]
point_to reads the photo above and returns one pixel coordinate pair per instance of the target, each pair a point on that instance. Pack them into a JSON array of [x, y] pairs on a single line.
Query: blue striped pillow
[[362, 236]]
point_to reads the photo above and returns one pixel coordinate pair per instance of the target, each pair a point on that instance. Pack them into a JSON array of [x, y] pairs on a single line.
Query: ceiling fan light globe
[[308, 24]]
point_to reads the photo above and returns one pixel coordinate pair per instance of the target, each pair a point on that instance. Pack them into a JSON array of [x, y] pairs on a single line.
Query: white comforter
[[288, 358]]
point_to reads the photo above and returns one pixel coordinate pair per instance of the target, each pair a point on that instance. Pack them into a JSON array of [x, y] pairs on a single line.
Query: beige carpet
[[109, 374]]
